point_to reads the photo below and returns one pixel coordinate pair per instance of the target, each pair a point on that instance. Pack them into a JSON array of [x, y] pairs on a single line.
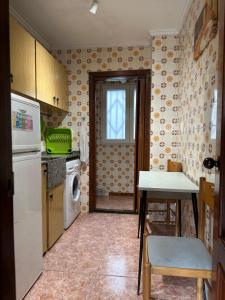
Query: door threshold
[[115, 211]]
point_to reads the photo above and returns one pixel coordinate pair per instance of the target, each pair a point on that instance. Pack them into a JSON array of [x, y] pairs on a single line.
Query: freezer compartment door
[[25, 124], [27, 221]]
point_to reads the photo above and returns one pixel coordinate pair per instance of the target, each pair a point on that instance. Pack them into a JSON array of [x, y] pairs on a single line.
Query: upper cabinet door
[[22, 54], [61, 86], [45, 69]]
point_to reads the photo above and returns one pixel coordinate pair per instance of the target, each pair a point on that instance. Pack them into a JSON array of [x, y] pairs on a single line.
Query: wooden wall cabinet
[[51, 79], [34, 71], [45, 75], [55, 214], [44, 208], [22, 56], [61, 84]]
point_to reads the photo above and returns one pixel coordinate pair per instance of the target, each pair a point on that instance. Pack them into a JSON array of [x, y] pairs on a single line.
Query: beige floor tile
[[97, 259]]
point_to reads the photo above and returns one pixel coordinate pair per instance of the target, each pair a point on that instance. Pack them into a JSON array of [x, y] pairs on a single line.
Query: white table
[[163, 185]]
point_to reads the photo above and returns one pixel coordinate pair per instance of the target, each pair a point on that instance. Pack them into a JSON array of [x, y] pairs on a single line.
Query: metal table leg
[[139, 218], [142, 219], [195, 211]]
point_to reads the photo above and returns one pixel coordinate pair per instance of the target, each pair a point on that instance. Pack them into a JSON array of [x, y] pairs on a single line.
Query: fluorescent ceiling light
[[94, 7]]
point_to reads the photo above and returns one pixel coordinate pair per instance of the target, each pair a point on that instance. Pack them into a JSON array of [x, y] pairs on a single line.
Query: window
[[119, 113]]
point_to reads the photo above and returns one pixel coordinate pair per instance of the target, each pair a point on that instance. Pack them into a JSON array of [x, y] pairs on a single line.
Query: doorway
[[119, 138], [7, 264]]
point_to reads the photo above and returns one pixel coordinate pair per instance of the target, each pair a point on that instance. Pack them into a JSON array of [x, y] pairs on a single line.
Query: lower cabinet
[[55, 214]]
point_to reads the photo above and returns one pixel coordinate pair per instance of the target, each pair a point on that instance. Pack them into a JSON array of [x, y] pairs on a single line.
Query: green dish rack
[[58, 140]]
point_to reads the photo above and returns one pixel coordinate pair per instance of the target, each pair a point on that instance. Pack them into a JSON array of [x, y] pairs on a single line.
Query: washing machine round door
[[75, 188]]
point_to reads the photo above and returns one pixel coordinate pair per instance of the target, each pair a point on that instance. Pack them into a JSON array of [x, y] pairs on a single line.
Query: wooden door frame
[[94, 77], [7, 265], [219, 225]]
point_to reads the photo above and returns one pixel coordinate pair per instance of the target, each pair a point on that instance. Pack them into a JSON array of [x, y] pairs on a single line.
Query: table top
[[161, 181]]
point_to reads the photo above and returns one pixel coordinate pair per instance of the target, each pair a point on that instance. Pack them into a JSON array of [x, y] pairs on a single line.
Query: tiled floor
[[96, 259], [115, 202]]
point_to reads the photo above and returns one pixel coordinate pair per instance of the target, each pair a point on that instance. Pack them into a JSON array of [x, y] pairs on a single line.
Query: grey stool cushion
[[178, 252]]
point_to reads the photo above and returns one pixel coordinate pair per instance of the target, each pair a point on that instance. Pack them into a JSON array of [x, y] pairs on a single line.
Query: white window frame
[[129, 132]]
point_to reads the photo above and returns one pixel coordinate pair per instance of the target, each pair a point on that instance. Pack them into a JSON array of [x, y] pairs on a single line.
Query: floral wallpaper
[[81, 61], [198, 82], [164, 107], [165, 102], [114, 162], [164, 127]]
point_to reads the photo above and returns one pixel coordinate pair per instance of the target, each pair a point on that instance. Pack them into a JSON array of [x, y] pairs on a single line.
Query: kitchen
[[54, 147]]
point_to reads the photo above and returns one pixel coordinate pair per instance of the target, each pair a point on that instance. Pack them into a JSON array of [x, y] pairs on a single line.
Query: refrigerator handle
[[11, 185]]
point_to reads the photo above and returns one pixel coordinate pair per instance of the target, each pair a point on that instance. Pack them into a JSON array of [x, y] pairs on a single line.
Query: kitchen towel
[[83, 143]]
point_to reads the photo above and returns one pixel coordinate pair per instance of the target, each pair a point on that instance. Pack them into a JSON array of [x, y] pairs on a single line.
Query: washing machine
[[72, 192]]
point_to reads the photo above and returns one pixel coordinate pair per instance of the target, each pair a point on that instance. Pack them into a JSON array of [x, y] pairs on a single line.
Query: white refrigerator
[[26, 145]]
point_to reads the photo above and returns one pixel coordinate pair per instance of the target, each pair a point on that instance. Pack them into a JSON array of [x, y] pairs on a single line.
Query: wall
[[198, 81], [164, 106], [114, 162], [182, 96], [79, 62], [164, 93], [165, 102]]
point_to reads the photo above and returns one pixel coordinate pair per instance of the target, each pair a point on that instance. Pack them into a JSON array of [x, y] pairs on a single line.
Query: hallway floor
[[97, 259]]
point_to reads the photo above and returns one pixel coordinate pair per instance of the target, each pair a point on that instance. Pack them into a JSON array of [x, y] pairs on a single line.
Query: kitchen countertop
[[56, 172], [56, 166], [45, 156]]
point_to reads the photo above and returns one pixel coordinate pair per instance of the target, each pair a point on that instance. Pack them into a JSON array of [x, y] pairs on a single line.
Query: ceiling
[[68, 24]]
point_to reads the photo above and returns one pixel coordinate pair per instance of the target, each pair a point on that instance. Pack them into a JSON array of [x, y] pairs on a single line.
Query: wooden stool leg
[[168, 213], [146, 277], [177, 219], [146, 282], [199, 288]]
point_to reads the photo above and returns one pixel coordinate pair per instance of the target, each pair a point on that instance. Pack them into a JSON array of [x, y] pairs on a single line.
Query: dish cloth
[[84, 144]]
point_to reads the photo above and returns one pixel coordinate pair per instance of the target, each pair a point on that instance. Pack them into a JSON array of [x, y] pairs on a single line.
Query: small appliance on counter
[[27, 201], [58, 140]]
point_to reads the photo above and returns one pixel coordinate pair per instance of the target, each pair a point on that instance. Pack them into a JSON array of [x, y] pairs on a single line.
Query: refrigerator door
[[27, 221], [26, 134]]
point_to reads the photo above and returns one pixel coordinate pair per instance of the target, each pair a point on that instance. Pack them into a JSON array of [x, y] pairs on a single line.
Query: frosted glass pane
[[116, 115]]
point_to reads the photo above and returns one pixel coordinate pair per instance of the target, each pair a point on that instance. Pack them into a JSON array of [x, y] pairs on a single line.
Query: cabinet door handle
[[11, 78], [54, 99], [51, 196], [57, 101]]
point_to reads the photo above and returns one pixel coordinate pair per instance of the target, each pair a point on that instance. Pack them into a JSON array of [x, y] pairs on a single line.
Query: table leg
[[139, 216], [142, 219], [195, 211]]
